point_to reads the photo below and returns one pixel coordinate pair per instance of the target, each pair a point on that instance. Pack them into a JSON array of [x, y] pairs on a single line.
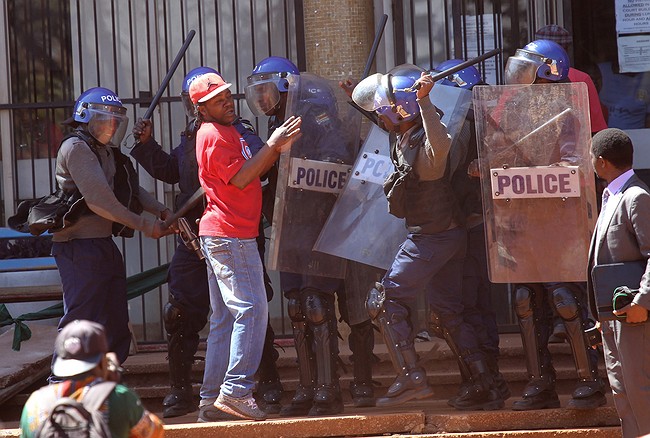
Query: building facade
[[54, 49]]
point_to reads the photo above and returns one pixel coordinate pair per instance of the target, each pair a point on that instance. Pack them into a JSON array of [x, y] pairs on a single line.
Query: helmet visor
[[262, 97], [522, 68], [107, 124], [188, 106]]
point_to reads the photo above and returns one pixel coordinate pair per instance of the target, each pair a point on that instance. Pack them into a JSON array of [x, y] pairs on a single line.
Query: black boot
[[363, 394], [301, 403], [180, 400], [410, 384], [500, 383], [589, 394], [481, 394], [361, 342], [327, 401], [269, 387], [463, 389], [327, 396], [539, 393]]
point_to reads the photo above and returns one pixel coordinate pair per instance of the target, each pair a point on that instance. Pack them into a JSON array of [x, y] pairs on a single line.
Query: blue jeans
[[239, 317]]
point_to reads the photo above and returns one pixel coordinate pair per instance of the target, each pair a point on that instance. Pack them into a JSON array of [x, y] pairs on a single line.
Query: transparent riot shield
[[310, 177], [538, 186], [360, 227]]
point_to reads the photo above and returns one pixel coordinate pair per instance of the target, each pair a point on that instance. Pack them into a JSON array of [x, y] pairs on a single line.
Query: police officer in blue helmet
[[477, 305], [540, 61], [186, 313], [431, 259], [543, 61], [90, 264], [311, 298]]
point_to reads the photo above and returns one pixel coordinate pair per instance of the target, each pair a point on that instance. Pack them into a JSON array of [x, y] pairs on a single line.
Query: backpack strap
[[96, 395]]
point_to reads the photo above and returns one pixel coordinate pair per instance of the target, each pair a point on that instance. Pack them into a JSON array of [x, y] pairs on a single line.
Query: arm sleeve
[[89, 177], [129, 417], [639, 214], [150, 203], [246, 130], [438, 139], [156, 162]]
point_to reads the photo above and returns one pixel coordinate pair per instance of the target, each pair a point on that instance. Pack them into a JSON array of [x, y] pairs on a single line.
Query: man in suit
[[623, 235]]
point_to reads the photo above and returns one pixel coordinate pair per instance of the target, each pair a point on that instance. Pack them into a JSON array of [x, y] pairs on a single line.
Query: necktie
[[606, 194]]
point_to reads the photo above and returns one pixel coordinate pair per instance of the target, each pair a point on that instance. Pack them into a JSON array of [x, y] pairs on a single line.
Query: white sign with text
[[318, 176], [535, 182]]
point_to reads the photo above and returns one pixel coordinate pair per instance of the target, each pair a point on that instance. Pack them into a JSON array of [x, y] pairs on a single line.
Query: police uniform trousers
[[94, 288]]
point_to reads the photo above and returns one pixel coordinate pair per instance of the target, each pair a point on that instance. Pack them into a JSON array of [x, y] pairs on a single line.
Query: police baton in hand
[[194, 199], [168, 76], [436, 76]]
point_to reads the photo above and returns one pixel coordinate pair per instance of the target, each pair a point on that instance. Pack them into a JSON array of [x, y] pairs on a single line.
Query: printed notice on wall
[[634, 53], [633, 31], [632, 16]]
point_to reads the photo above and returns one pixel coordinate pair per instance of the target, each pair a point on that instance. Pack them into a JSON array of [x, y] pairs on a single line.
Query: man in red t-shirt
[[230, 175], [560, 35]]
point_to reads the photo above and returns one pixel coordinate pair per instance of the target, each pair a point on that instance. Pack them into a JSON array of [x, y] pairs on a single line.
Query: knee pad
[[566, 304], [317, 306], [375, 301], [294, 308], [173, 317], [523, 302]]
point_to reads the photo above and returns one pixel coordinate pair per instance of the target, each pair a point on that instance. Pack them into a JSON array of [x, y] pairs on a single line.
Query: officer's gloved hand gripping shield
[[310, 177], [538, 186]]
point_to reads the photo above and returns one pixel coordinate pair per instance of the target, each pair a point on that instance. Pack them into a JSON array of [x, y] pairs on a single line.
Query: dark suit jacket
[[627, 237]]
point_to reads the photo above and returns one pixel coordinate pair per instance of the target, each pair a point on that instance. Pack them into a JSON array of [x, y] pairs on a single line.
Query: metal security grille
[[427, 32], [57, 48], [54, 49]]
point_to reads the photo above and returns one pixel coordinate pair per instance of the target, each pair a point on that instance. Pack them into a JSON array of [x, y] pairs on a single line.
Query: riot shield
[[310, 177], [537, 183], [360, 227]]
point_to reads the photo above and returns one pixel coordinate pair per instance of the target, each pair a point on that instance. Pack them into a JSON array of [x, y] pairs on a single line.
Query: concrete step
[[147, 374]]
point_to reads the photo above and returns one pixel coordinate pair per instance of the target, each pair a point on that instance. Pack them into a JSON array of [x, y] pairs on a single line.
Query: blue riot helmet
[[542, 59], [269, 78], [185, 90], [103, 115], [466, 78], [394, 99]]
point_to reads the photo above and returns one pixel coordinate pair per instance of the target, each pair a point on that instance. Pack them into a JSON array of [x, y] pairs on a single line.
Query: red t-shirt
[[595, 110], [221, 152]]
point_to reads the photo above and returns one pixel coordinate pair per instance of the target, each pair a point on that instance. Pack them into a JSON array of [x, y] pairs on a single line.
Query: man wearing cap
[[560, 35], [230, 175], [82, 361]]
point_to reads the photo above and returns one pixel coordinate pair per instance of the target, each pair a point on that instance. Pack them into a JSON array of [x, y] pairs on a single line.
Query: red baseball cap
[[207, 86]]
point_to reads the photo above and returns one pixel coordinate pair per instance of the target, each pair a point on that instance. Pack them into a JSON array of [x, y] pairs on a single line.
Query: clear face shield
[[262, 93], [107, 124], [188, 106], [522, 68]]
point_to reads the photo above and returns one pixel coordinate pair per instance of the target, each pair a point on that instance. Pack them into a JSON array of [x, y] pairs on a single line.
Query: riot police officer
[[476, 293], [311, 296], [432, 256], [186, 313], [89, 263], [543, 61]]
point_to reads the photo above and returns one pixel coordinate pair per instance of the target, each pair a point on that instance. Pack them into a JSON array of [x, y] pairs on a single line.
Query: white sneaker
[[244, 407]]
